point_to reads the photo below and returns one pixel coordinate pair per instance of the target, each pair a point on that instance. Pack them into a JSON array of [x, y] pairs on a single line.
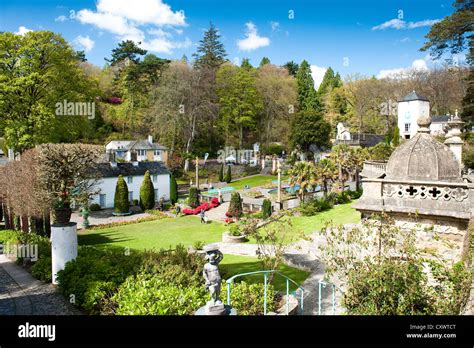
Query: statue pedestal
[[228, 310], [63, 246]]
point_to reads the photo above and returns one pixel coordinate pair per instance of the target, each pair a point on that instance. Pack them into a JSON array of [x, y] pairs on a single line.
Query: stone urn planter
[[228, 238], [62, 215]]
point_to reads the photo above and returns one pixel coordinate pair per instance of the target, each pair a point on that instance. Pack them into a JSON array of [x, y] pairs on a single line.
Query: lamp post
[[279, 182], [197, 172]]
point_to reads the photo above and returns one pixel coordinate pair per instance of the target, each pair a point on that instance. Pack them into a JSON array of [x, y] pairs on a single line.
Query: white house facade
[[410, 108], [137, 150], [133, 173]]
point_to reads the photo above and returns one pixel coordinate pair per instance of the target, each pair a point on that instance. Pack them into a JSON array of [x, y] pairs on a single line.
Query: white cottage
[[133, 173]]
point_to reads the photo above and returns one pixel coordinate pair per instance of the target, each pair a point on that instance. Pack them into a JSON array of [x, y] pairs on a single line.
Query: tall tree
[[307, 95], [303, 174], [126, 50], [246, 64], [309, 128], [265, 60], [37, 71], [454, 34], [240, 102], [292, 67], [210, 52]]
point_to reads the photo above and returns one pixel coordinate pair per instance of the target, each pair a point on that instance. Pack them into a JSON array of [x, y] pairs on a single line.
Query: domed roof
[[423, 158]]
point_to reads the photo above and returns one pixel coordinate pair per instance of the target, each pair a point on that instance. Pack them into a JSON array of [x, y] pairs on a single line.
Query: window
[[156, 195], [157, 152], [407, 127], [141, 152], [129, 179], [130, 196], [155, 178]]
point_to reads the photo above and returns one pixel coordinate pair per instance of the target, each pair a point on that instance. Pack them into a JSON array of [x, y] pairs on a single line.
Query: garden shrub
[[95, 207], [121, 202], [234, 230], [173, 190], [98, 297], [388, 287], [193, 199], [146, 294], [354, 194], [266, 208], [221, 173], [248, 299], [228, 175], [316, 205], [42, 270], [147, 193], [235, 206]]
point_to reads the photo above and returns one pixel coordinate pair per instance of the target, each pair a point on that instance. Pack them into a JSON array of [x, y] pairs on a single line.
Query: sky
[[367, 37]]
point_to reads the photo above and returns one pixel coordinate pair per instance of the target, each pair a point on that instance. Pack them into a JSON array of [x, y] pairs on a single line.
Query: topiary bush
[[221, 173], [266, 208], [147, 193], [235, 206], [228, 175], [121, 202], [193, 199], [173, 190]]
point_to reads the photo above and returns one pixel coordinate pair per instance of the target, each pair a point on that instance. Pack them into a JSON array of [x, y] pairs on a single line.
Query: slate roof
[[365, 140], [129, 169], [144, 145], [413, 96], [439, 119]]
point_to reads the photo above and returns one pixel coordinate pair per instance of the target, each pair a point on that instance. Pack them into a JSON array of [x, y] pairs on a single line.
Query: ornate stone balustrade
[[373, 169], [457, 192]]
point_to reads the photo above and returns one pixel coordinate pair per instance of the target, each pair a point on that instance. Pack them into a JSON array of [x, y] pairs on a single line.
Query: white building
[[133, 173], [413, 106], [137, 150]]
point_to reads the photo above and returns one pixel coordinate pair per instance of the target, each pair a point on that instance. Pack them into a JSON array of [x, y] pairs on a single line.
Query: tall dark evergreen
[[147, 193], [307, 96], [121, 202], [126, 50], [173, 190], [265, 60], [210, 52], [292, 67]]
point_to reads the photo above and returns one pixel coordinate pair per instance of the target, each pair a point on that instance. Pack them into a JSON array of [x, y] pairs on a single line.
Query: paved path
[[218, 213], [21, 294]]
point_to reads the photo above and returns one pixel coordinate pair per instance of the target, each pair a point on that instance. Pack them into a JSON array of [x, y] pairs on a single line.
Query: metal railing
[[334, 287], [265, 281]]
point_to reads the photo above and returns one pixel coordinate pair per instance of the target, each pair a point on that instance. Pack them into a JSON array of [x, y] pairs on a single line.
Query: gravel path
[[21, 294]]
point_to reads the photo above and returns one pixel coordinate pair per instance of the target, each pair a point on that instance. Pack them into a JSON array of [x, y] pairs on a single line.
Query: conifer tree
[[121, 202], [147, 193]]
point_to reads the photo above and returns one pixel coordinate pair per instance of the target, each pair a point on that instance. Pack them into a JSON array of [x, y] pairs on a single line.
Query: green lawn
[[156, 234], [235, 264], [340, 214]]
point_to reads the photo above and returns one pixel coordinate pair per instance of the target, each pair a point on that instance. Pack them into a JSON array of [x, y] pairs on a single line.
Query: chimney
[[454, 140], [150, 139]]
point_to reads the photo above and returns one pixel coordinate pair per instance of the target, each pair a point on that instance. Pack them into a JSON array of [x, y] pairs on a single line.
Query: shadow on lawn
[[102, 238]]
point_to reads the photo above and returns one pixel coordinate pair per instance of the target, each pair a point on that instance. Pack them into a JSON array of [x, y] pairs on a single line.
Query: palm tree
[[304, 175], [341, 155], [327, 172]]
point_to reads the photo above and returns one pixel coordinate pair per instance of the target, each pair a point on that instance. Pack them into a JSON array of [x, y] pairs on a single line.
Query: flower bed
[[205, 206]]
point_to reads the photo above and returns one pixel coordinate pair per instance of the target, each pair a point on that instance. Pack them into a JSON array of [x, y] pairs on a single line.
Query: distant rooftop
[[413, 96], [129, 169]]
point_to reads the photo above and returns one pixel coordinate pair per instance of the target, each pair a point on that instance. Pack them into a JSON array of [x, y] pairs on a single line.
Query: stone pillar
[[63, 246], [454, 140]]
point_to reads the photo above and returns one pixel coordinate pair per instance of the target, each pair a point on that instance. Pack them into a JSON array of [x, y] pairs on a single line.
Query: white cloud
[[143, 12], [274, 25], [252, 40], [22, 30], [405, 39], [397, 23], [130, 20], [317, 72], [416, 65], [60, 19], [84, 42]]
